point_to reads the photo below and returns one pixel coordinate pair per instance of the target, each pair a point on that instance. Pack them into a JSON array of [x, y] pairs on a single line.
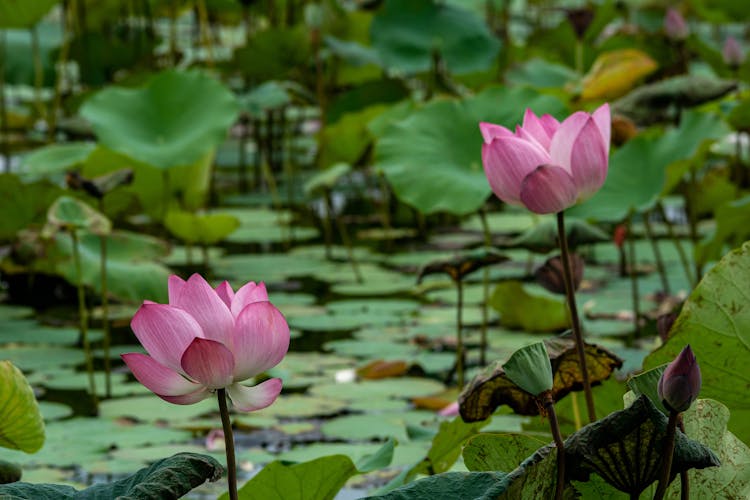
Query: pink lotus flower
[[732, 52], [207, 339], [675, 25], [680, 383], [548, 166]]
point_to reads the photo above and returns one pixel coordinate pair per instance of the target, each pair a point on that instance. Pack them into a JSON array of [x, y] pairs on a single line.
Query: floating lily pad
[[519, 308], [405, 387]]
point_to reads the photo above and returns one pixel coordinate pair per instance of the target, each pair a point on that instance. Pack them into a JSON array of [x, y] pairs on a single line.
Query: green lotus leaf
[[73, 215], [407, 33], [22, 13], [21, 422], [715, 321], [204, 229], [173, 120]]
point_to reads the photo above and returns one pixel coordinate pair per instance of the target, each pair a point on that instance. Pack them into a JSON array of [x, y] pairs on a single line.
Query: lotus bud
[[551, 276], [732, 53], [675, 25], [680, 383]]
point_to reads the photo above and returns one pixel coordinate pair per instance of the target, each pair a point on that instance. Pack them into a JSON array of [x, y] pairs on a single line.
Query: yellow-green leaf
[[615, 73], [21, 423]]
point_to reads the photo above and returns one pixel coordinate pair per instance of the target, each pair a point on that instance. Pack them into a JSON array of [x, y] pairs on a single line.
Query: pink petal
[[490, 131], [248, 294], [209, 362], [603, 121], [589, 160], [536, 128], [165, 331], [188, 399], [550, 124], [175, 284], [209, 310], [548, 189], [261, 339], [254, 398], [225, 293], [157, 377], [507, 160], [449, 411], [561, 147]]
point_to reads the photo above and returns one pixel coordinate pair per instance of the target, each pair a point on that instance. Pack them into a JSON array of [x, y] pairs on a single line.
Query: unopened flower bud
[[675, 25], [551, 276], [680, 383], [732, 53]]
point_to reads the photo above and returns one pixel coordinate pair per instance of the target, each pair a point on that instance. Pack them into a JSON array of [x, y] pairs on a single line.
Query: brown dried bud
[[552, 277], [580, 19], [664, 324]]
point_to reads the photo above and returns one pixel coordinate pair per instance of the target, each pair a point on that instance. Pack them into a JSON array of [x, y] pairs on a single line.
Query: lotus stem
[[579, 56], [549, 406], [205, 32], [667, 455], [344, 236], [485, 290], [386, 208], [3, 111], [105, 310], [83, 317], [657, 254], [574, 319], [61, 61], [459, 333], [633, 280], [684, 478], [228, 444], [38, 73], [676, 241]]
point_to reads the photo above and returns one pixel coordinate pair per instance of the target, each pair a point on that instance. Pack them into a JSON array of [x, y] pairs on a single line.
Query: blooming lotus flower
[[675, 25], [207, 339], [548, 166], [680, 383], [732, 52]]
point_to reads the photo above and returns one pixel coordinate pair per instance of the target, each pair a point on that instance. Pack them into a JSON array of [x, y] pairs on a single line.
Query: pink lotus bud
[[675, 25], [548, 166], [732, 53], [680, 383]]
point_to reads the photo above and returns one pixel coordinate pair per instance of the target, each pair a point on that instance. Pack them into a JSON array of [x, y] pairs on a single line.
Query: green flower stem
[[105, 310], [459, 334], [485, 290], [684, 478], [678, 246], [228, 444], [549, 407], [633, 280], [83, 317], [573, 309], [657, 254], [344, 236], [3, 110], [667, 455]]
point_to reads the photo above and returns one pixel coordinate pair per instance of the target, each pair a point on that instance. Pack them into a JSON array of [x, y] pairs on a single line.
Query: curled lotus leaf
[[72, 214], [493, 388], [624, 448], [463, 264]]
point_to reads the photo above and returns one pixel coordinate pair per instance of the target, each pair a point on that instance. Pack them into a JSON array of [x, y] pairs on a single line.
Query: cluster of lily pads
[[333, 151]]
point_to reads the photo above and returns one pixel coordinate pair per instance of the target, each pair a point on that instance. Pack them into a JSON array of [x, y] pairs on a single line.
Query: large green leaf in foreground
[[432, 158], [21, 424], [715, 321], [170, 477]]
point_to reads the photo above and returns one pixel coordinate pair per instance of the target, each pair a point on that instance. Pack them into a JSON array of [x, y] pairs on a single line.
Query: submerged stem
[[574, 319], [228, 444], [459, 334], [667, 454], [105, 311], [485, 290], [657, 254], [84, 318]]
